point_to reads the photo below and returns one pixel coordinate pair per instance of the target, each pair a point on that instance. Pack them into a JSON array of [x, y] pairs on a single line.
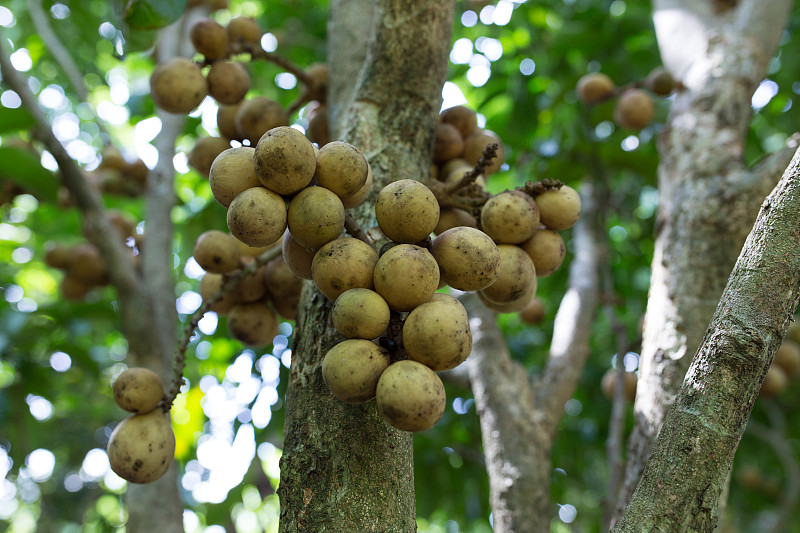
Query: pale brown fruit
[[316, 217], [226, 121], [775, 382], [559, 209], [608, 384], [204, 152], [410, 396], [342, 264], [138, 390], [534, 312], [297, 257], [88, 265], [209, 38], [360, 313], [634, 109], [449, 143], [250, 288], [287, 307], [244, 30], [281, 282], [406, 211], [406, 276], [228, 82], [458, 171], [594, 88], [58, 255], [232, 173], [217, 251], [253, 324], [318, 72], [451, 217], [510, 217], [351, 369], [788, 357], [517, 278], [257, 116], [255, 251], [451, 166], [462, 117], [437, 334], [341, 168], [361, 194], [476, 143], [137, 171], [284, 160], [793, 333], [210, 285], [660, 81], [178, 85], [546, 249], [257, 216], [112, 158], [141, 448], [468, 258], [73, 288], [318, 126]]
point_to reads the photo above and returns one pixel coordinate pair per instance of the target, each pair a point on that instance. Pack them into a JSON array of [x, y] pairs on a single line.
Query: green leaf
[[15, 119], [23, 168], [153, 14]]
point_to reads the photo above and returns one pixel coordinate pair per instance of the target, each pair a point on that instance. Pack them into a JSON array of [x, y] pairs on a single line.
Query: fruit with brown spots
[[217, 251], [257, 116], [361, 313], [253, 324], [406, 276], [257, 216], [410, 396], [351, 369], [228, 82], [560, 208], [204, 152], [546, 249], [209, 38], [437, 334], [138, 390], [141, 448], [468, 258], [231, 173], [406, 211], [342, 264], [284, 160], [510, 217], [341, 168]]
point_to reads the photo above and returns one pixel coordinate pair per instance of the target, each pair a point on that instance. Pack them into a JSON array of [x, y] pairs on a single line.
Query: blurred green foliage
[[526, 95]]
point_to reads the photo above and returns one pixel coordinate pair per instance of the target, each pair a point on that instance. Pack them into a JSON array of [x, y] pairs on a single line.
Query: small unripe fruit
[[660, 81], [559, 209], [546, 249], [244, 30], [228, 82], [462, 117]]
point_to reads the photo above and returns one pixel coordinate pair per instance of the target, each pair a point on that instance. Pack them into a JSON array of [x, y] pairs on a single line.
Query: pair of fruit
[[142, 446]]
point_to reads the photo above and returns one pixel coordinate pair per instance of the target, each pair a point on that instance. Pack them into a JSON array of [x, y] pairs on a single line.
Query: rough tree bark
[[343, 468], [519, 418], [708, 199], [693, 454]]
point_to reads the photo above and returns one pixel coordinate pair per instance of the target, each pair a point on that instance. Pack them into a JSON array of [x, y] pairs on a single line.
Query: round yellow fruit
[[361, 313], [351, 369], [410, 396], [138, 390]]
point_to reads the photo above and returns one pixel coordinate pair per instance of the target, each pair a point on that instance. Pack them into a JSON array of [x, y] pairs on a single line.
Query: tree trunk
[[343, 467], [693, 454], [707, 198]]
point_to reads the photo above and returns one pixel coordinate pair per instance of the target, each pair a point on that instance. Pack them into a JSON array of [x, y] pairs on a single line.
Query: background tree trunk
[[693, 454], [343, 467], [708, 199]]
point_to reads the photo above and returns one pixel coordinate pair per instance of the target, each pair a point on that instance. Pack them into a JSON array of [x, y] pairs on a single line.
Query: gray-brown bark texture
[[343, 467], [693, 454], [519, 419], [708, 199]]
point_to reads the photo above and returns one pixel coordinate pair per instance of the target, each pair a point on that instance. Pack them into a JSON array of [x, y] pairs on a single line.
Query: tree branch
[[683, 479], [97, 227]]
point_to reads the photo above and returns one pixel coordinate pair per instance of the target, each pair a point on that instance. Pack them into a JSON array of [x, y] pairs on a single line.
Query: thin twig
[[354, 230], [179, 360], [256, 52], [489, 153]]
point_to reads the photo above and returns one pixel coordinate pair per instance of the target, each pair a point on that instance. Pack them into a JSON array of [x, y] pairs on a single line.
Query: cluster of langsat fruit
[[634, 108], [83, 265], [142, 446]]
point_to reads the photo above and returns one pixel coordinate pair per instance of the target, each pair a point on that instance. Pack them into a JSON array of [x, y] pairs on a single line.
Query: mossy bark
[[683, 479], [343, 467]]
